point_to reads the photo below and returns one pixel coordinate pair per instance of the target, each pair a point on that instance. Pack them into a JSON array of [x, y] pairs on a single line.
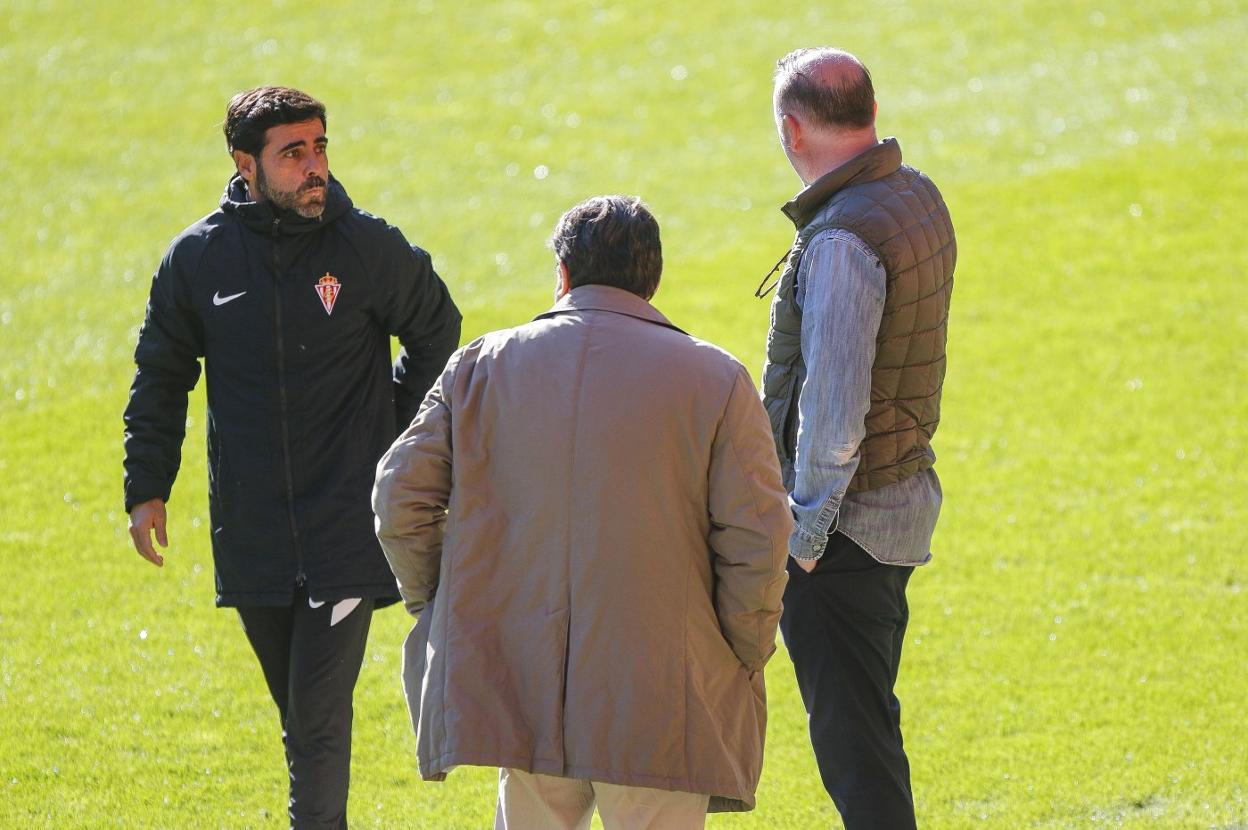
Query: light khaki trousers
[[527, 801]]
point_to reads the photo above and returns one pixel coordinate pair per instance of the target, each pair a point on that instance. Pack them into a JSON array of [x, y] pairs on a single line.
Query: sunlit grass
[[1077, 647]]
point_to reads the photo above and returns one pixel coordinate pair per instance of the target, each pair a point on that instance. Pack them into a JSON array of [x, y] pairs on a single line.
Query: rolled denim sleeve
[[840, 290]]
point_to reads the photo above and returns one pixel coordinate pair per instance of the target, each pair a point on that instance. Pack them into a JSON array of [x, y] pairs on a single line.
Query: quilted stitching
[[903, 219]]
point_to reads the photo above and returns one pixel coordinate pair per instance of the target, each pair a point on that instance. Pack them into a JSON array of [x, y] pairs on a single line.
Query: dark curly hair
[[611, 240], [250, 114]]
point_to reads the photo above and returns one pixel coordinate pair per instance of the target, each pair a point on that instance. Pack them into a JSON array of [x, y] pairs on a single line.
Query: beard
[[299, 201]]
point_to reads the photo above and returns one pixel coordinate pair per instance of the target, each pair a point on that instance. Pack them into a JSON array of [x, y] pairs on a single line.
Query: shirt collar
[[871, 164]]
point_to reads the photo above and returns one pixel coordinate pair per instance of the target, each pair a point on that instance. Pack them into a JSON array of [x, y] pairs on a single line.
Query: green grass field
[[1077, 652]]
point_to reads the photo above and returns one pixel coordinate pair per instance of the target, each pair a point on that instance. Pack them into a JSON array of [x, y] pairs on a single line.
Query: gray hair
[[843, 98]]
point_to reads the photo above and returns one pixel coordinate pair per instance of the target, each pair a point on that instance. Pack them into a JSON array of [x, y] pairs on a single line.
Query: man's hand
[[806, 565], [144, 518]]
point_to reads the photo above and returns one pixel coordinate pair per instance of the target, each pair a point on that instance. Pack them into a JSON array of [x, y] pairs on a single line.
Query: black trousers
[[844, 624], [310, 664]]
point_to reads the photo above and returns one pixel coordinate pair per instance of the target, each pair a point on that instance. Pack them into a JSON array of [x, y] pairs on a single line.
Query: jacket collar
[[607, 298], [879, 161], [260, 216]]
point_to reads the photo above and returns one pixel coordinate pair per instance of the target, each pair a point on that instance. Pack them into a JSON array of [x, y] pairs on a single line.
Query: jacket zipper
[[300, 577]]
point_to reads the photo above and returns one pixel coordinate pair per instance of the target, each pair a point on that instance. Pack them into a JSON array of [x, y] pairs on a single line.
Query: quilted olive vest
[[901, 216]]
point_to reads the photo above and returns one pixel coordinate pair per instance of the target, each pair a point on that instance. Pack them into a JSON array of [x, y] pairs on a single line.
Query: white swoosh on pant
[[217, 299]]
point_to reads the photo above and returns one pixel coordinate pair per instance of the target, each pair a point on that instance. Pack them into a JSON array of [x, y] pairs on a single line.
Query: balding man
[[855, 363]]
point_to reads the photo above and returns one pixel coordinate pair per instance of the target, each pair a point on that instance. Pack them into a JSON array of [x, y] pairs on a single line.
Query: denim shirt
[[840, 288]]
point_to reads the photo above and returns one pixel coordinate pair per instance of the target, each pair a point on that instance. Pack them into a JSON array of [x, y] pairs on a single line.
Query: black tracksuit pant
[[310, 664], [844, 624]]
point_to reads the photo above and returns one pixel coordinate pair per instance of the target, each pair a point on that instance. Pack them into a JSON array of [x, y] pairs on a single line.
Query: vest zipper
[[300, 577]]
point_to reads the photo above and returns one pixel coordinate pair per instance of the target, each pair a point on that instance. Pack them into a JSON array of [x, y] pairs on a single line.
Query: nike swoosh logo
[[217, 299]]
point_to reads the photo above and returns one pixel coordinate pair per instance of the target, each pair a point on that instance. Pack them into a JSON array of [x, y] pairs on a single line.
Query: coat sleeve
[[750, 527], [420, 312], [411, 495], [167, 356]]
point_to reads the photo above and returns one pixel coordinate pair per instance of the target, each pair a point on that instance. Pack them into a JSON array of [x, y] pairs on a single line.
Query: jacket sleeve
[[421, 313], [167, 356], [411, 495], [750, 527]]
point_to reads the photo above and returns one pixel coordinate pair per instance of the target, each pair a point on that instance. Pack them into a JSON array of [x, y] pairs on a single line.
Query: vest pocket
[[782, 412]]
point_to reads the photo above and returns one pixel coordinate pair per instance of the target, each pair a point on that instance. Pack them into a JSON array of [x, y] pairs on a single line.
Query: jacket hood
[[260, 216]]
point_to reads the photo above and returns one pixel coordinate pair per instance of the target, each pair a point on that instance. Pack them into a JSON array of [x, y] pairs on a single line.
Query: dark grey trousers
[[844, 624], [311, 667]]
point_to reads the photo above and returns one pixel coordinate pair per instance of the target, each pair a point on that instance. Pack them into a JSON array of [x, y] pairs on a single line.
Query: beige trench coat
[[594, 500]]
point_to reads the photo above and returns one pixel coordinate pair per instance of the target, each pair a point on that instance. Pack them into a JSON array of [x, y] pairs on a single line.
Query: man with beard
[[289, 295]]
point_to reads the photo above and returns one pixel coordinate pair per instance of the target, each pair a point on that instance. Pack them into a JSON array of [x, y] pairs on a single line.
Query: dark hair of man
[[610, 240], [849, 105], [250, 114]]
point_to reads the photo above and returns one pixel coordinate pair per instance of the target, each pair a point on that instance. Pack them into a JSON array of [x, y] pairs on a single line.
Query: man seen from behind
[[587, 518], [852, 384]]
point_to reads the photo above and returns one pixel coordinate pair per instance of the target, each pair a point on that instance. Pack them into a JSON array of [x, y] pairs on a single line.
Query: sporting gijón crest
[[327, 288]]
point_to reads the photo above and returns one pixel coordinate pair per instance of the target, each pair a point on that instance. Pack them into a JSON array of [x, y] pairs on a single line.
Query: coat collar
[[607, 298], [875, 163]]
